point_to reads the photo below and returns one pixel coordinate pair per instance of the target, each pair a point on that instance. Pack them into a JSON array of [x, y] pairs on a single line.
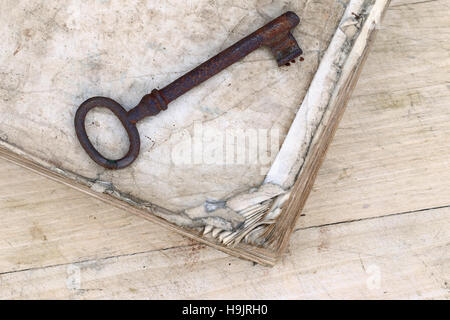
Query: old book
[[231, 162]]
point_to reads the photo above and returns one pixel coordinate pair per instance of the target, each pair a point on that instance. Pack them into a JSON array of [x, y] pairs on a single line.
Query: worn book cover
[[229, 163]]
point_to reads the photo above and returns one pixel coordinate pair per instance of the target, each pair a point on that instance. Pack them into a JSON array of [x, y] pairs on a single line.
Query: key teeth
[[289, 57], [285, 49]]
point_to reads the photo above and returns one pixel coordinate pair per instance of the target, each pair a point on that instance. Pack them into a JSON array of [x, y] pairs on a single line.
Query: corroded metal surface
[[276, 35]]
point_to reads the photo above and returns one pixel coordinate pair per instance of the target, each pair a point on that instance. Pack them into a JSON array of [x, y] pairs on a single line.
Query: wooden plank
[[45, 223], [391, 152], [400, 256], [412, 254], [345, 77]]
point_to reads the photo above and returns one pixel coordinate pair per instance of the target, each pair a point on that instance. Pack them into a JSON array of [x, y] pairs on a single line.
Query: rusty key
[[276, 35]]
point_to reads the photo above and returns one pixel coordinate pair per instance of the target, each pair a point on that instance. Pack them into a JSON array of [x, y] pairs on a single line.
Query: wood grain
[[379, 210], [391, 152], [389, 257], [303, 185], [45, 223]]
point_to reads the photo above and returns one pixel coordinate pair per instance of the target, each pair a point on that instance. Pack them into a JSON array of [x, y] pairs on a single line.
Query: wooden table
[[377, 224]]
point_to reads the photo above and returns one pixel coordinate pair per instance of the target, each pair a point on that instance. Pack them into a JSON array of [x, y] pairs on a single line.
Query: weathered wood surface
[[372, 227], [390, 257]]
